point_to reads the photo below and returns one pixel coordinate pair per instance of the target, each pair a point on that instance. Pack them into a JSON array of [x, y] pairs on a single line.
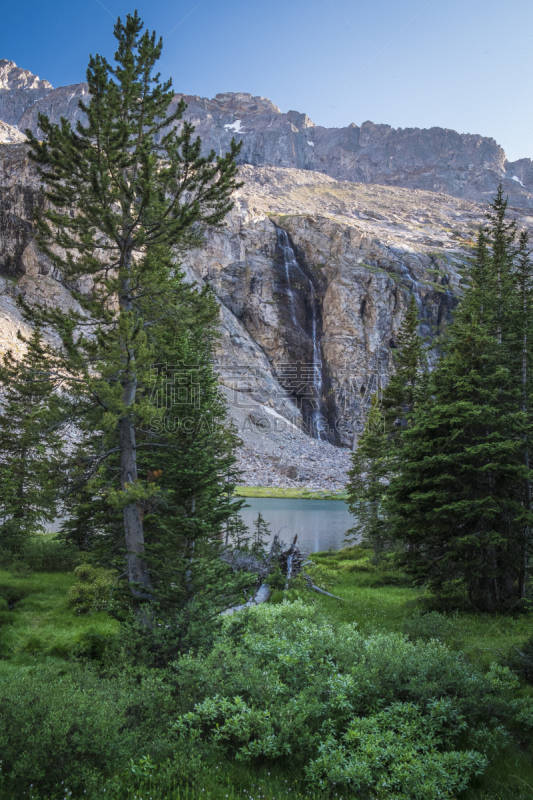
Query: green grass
[[36, 619], [37, 626], [382, 599], [293, 494]]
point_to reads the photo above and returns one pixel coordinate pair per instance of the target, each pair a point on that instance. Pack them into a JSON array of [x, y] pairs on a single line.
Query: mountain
[[313, 272], [437, 159]]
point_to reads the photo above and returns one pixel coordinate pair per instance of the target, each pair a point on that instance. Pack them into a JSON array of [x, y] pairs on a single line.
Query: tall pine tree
[[122, 190], [459, 496], [374, 460]]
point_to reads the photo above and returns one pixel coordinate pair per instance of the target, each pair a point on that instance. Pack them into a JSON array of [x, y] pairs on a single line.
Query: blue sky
[[460, 64]]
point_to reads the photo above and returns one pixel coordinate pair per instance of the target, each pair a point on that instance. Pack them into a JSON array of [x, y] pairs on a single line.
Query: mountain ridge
[[468, 166]]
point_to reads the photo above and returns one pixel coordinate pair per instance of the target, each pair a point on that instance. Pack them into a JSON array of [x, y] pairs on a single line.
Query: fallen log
[[323, 591], [261, 596]]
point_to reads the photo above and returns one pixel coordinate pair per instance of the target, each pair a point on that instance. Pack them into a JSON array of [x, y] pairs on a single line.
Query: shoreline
[[289, 493]]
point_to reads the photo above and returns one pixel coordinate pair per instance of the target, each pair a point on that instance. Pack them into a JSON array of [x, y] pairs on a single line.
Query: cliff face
[[464, 165], [313, 277], [313, 271]]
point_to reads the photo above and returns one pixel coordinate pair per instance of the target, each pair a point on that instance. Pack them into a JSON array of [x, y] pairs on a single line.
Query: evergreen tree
[[407, 382], [367, 483], [123, 189], [30, 444], [190, 455], [260, 535], [374, 461], [237, 533], [458, 498], [522, 349], [186, 458]]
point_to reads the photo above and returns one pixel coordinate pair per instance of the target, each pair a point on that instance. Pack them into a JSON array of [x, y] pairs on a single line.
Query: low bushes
[[92, 590], [351, 710]]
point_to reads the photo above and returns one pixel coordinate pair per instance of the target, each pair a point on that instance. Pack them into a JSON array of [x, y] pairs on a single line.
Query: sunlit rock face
[[330, 235], [436, 159]]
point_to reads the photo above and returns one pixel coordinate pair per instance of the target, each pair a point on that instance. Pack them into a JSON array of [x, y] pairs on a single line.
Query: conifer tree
[[189, 455], [123, 189], [458, 498], [406, 384], [373, 462], [367, 483], [237, 533], [522, 318], [30, 445], [260, 535]]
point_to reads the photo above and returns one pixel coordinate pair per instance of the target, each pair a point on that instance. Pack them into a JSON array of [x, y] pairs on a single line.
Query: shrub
[[425, 627], [42, 553], [77, 726], [285, 683], [92, 592], [520, 660]]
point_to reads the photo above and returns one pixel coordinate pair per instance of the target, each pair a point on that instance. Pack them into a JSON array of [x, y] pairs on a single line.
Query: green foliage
[[342, 704], [40, 623], [399, 753], [30, 444], [68, 725], [520, 660], [432, 625], [42, 553], [461, 497], [367, 483], [93, 590], [346, 699]]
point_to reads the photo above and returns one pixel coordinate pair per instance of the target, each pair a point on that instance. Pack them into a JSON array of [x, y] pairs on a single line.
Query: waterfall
[[289, 262], [319, 424], [316, 420]]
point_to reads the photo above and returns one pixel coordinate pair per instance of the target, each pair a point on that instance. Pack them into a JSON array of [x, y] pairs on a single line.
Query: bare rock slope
[[313, 274], [435, 159]]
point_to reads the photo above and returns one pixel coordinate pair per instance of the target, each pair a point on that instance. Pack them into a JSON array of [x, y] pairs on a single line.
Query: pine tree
[[123, 189], [30, 445], [406, 384], [373, 462], [260, 535], [190, 455], [458, 497], [367, 483], [522, 349]]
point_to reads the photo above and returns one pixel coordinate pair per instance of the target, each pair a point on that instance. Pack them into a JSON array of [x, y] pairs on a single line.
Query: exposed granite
[[435, 159]]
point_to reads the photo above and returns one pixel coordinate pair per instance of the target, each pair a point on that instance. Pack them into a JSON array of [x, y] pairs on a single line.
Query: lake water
[[320, 524]]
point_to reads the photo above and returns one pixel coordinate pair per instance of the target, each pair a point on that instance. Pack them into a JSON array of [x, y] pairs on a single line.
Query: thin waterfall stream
[[295, 274]]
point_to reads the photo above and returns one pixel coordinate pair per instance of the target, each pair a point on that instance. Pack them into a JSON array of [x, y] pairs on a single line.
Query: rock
[[10, 134], [358, 251], [19, 90], [469, 166]]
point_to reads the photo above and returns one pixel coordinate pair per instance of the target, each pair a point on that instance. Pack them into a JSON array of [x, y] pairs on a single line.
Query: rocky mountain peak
[[19, 89], [468, 166], [235, 102], [15, 78]]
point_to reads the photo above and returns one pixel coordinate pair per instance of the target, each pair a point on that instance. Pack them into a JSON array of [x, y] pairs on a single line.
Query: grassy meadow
[[44, 640]]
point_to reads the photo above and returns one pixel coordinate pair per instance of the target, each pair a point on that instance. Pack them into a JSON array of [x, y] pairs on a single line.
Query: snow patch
[[311, 144], [234, 126], [515, 178]]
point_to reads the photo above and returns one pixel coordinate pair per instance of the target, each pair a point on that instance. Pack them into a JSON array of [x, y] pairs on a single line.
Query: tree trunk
[[133, 524]]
